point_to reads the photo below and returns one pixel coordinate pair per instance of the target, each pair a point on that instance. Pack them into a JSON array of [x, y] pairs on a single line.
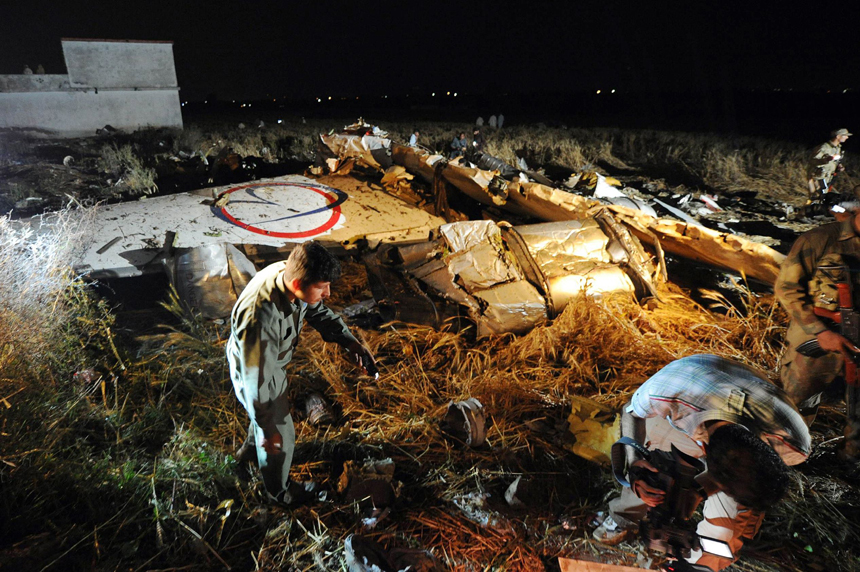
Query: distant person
[[27, 70], [500, 121], [477, 140], [264, 331], [826, 162], [493, 122], [40, 69], [480, 122], [458, 146], [413, 139]]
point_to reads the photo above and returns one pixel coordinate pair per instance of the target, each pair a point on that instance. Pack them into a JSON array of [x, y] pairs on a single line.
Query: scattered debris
[[465, 421], [594, 429]]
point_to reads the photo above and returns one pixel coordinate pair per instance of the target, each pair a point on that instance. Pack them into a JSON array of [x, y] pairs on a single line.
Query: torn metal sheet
[[209, 279], [683, 239], [503, 278], [515, 307], [363, 148]]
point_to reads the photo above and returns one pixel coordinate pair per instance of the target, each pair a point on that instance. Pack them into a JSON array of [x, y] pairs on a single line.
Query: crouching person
[[264, 331], [747, 429]]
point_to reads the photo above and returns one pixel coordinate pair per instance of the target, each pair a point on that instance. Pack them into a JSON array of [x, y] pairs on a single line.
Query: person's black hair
[[747, 468], [311, 262]]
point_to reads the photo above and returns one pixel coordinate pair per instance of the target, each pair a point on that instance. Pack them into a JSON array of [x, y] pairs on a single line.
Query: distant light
[[356, 97], [280, 121], [274, 100], [318, 100], [455, 94], [598, 91], [234, 101], [207, 101], [447, 93], [433, 94], [844, 91], [249, 105], [613, 91], [329, 98]]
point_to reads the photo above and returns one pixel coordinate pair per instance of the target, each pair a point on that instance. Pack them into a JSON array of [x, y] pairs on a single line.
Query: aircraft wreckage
[[511, 190], [511, 278], [500, 277]]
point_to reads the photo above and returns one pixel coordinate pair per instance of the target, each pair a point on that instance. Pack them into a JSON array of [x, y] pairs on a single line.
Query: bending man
[[264, 332], [746, 427]]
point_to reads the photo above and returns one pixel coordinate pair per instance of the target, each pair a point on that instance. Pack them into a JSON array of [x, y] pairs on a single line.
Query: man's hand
[[650, 495], [363, 358], [833, 342]]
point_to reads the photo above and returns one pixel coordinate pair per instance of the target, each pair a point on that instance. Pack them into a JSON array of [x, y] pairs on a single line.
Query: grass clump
[[127, 169]]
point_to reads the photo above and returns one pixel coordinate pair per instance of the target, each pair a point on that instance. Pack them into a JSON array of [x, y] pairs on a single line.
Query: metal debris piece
[[465, 421]]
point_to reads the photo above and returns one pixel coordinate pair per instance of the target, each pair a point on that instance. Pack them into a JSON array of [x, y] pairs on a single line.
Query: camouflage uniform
[[808, 279], [823, 167]]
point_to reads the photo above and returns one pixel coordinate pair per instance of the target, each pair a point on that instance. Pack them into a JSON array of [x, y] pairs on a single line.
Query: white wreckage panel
[[357, 147], [487, 278]]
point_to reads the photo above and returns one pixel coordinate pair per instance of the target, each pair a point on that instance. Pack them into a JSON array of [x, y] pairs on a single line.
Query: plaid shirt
[[693, 390], [792, 287]]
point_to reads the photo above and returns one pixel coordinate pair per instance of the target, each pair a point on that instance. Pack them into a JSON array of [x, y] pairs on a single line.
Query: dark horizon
[[333, 49]]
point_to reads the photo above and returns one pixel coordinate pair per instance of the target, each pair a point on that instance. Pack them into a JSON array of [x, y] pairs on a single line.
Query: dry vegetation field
[[116, 441]]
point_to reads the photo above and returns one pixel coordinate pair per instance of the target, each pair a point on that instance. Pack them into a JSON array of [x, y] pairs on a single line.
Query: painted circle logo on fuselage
[[281, 210]]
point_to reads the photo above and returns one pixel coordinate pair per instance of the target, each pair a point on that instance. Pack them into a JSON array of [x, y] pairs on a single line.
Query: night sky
[[252, 49]]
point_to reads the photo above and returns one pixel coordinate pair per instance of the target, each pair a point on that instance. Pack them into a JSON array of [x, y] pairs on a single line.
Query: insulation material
[[556, 244], [479, 259], [588, 278], [514, 307], [594, 428], [482, 266], [466, 234]]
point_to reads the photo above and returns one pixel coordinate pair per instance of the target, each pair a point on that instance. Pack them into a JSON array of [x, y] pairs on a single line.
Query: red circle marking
[[335, 213]]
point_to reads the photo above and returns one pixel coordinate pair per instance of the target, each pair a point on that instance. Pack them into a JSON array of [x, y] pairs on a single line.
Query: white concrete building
[[123, 83]]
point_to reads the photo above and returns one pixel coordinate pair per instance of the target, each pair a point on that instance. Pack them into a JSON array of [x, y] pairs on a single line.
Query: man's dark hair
[[311, 262], [747, 468]]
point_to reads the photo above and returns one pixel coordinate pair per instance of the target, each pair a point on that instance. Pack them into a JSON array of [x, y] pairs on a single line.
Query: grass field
[[116, 443]]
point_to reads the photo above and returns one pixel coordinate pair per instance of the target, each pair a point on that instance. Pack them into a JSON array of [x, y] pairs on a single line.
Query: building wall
[[81, 112], [103, 64], [128, 85]]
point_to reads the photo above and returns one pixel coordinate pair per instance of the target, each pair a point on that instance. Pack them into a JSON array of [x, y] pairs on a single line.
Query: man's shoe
[[610, 532]]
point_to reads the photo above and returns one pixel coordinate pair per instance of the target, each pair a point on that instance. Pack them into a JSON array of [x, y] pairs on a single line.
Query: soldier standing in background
[[826, 162]]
